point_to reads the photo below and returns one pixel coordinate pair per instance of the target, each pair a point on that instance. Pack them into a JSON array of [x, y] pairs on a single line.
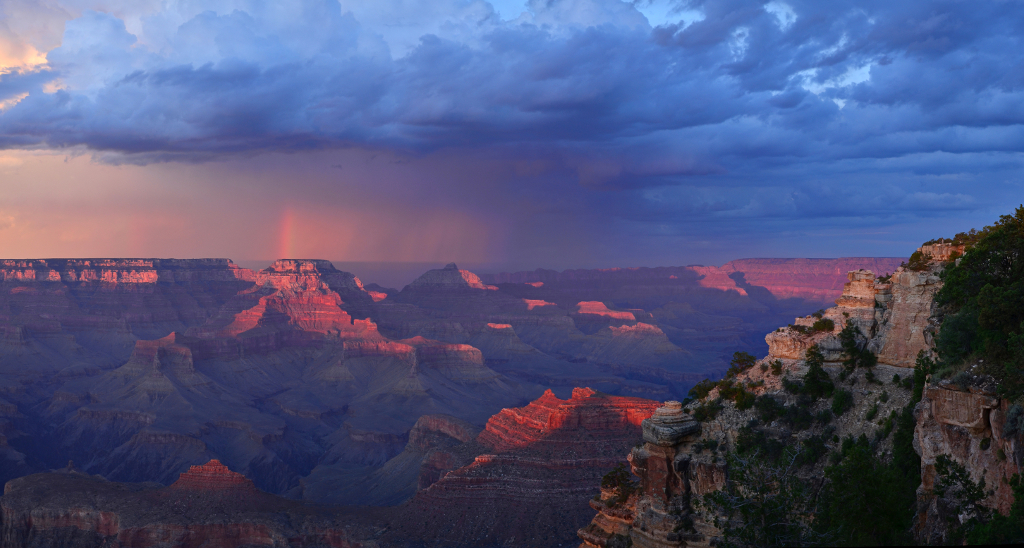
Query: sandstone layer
[[965, 422], [526, 478]]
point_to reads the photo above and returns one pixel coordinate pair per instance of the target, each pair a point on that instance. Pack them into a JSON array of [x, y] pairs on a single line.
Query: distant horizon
[[397, 274]]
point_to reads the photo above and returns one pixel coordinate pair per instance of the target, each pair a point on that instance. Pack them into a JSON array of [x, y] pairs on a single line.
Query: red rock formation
[[715, 277], [530, 304], [548, 418], [212, 476], [540, 464], [600, 309], [817, 279]]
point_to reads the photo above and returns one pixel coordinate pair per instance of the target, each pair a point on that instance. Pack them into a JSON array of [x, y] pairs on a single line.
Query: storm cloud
[[756, 117]]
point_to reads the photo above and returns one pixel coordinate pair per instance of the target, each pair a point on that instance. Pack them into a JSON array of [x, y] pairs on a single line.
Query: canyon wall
[[965, 421], [525, 479], [895, 318], [819, 280]]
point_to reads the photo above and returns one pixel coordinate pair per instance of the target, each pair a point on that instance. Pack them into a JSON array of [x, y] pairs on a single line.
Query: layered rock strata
[[680, 460], [896, 318], [525, 480], [818, 280], [213, 476], [967, 423]]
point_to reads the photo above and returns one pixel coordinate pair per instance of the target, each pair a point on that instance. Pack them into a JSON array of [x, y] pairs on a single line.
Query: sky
[[521, 134]]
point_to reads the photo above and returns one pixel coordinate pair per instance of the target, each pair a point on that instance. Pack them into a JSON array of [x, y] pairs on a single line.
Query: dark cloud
[[783, 110]]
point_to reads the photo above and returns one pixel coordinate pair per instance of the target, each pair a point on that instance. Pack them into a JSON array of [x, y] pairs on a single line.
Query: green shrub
[[842, 400], [817, 383], [918, 261], [792, 386], [872, 412], [823, 417], [708, 411], [622, 479], [811, 450], [744, 400], [963, 380], [855, 355], [768, 408], [741, 362], [798, 416], [709, 444], [896, 379], [823, 325], [777, 367], [983, 295], [702, 389], [884, 398], [752, 441], [1002, 530]]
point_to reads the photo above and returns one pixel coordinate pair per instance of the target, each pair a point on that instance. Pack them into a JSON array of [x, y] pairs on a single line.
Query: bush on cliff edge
[[983, 294]]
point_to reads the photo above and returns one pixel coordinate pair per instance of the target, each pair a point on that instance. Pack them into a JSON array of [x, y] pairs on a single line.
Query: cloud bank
[[663, 116]]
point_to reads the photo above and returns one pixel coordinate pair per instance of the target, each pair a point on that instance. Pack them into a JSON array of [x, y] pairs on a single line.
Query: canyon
[[311, 385]]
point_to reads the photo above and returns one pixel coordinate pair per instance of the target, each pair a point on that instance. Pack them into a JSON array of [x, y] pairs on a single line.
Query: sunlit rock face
[[910, 319], [525, 480], [213, 476], [895, 319]]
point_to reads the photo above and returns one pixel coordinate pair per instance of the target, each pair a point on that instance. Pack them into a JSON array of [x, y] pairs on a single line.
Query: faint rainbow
[[285, 234]]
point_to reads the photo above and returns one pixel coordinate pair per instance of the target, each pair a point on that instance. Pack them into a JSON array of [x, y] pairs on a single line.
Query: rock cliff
[[966, 422], [896, 317], [525, 479], [681, 460], [658, 512]]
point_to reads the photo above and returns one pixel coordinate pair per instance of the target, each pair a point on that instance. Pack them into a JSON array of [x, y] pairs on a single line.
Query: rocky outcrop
[[896, 319], [965, 422], [213, 476], [659, 512], [909, 318], [449, 279], [525, 479]]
